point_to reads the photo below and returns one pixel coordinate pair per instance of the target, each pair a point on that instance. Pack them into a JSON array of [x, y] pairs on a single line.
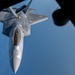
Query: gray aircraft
[[16, 25]]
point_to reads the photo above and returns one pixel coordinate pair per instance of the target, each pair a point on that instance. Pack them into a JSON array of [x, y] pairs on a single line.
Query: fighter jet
[[16, 26], [7, 3], [62, 15]]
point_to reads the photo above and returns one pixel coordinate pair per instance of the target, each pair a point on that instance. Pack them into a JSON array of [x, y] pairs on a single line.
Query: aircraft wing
[[30, 10], [3, 15], [35, 18]]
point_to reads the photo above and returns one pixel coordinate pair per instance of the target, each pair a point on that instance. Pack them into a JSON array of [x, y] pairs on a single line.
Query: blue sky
[[49, 50]]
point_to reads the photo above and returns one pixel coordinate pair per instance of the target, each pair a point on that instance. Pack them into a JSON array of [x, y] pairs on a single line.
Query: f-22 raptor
[[65, 13], [16, 25]]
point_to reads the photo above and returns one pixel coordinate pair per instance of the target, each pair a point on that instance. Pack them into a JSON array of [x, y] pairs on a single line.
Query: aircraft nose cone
[[15, 59], [16, 64]]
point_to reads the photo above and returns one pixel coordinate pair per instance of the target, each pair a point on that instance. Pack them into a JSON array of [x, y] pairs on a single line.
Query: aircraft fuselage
[[17, 29]]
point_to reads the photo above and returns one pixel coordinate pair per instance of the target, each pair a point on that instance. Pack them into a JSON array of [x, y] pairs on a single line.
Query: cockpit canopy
[[16, 36]]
